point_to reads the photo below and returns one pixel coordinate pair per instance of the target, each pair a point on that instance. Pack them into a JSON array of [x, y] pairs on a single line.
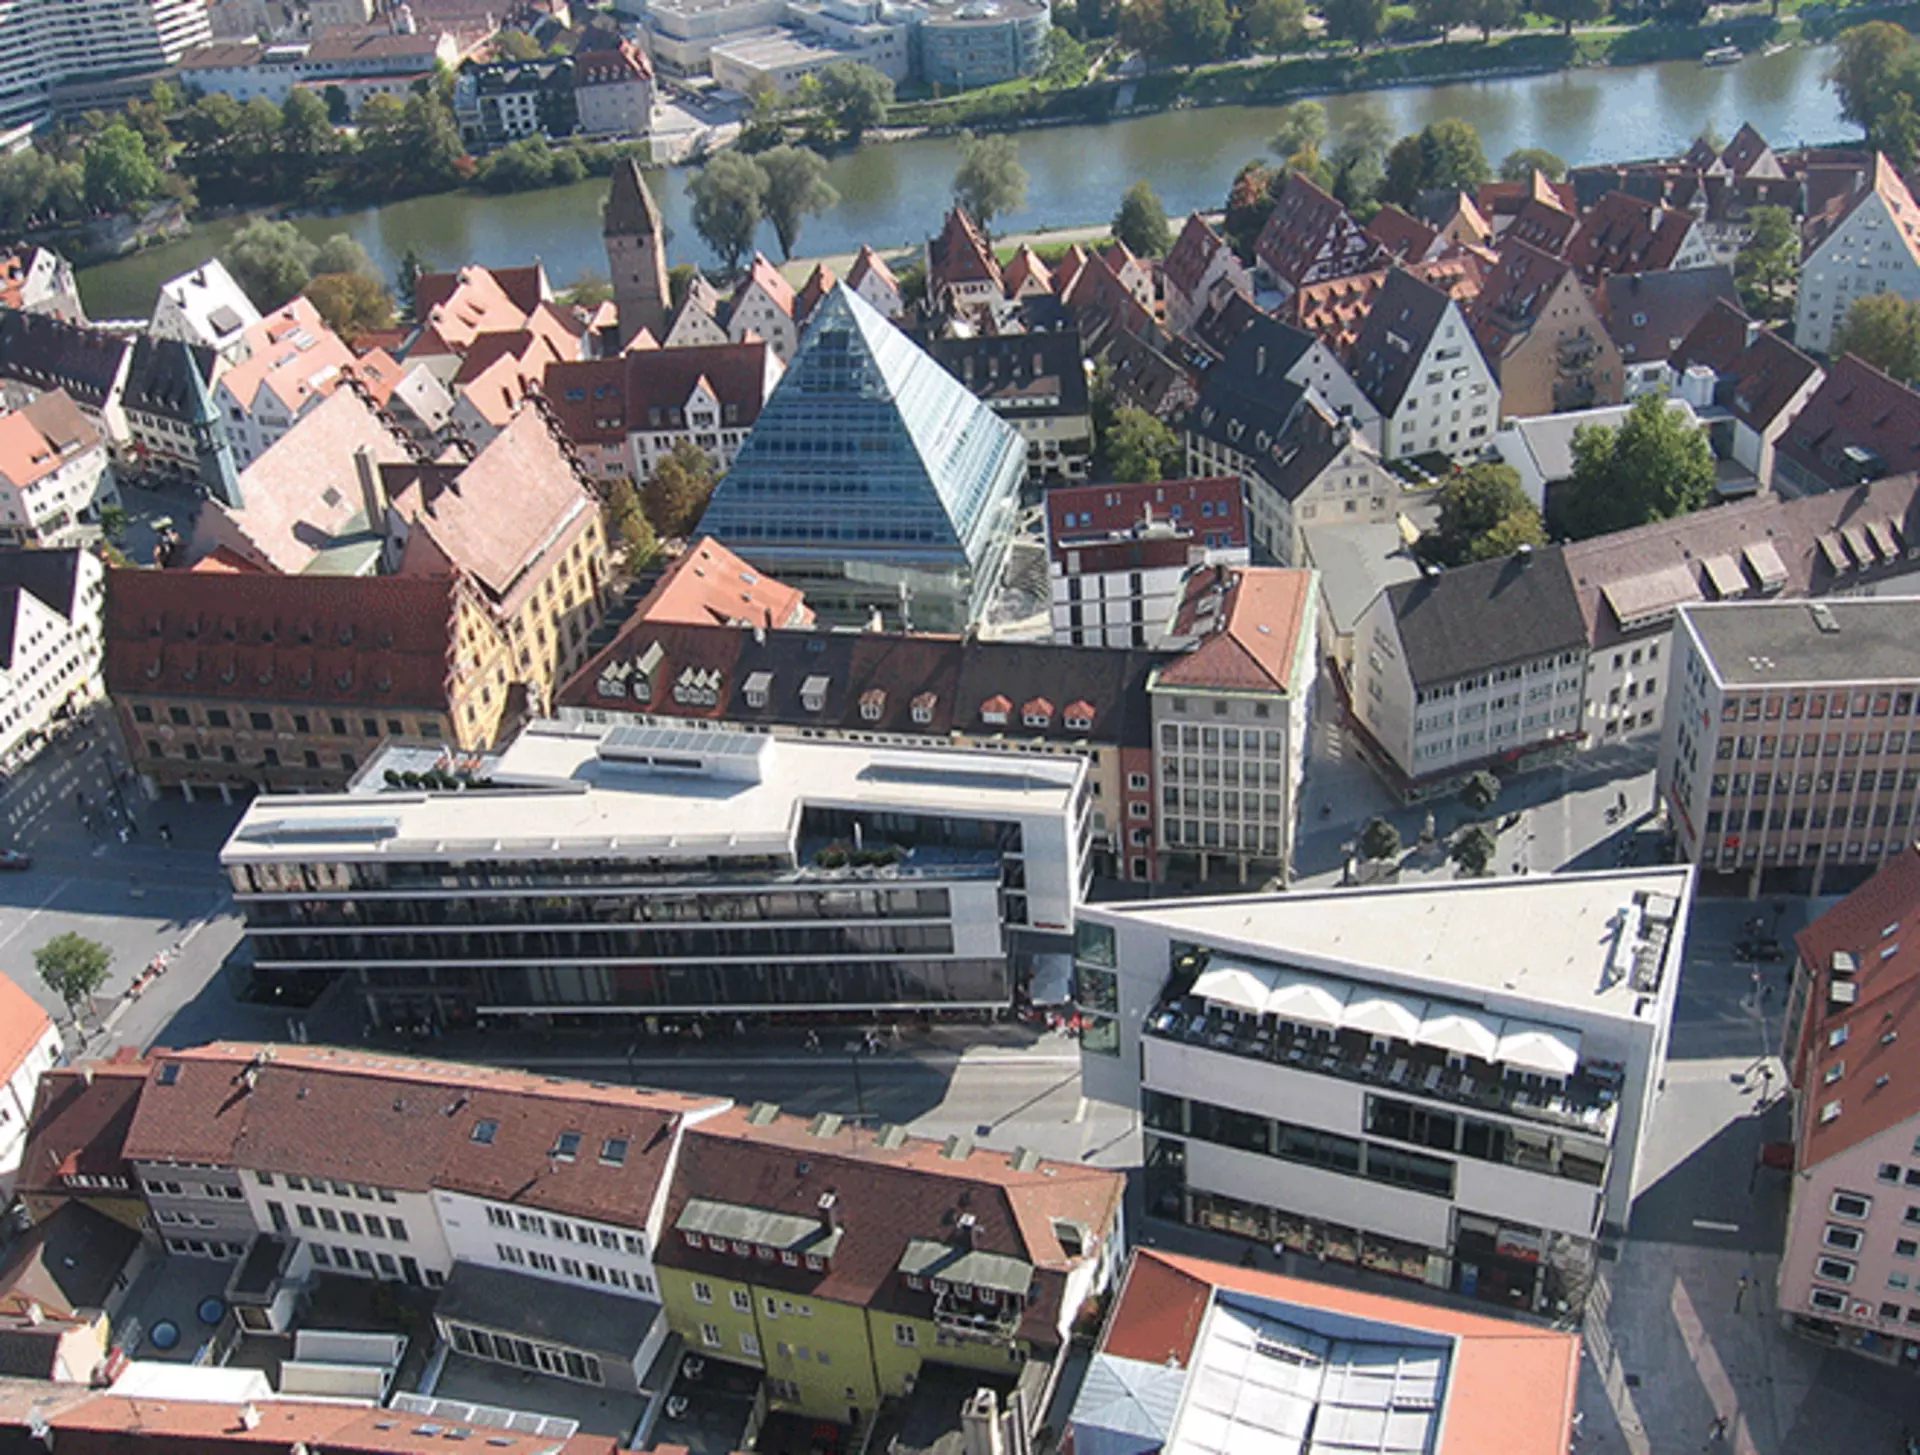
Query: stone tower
[[636, 254]]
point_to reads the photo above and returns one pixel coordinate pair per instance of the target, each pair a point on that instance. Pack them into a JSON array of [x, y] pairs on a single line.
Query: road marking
[[1707, 1225], [35, 914]]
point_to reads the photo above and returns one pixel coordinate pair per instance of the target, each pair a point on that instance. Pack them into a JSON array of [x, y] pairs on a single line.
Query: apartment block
[[1850, 1272], [1791, 752], [1869, 243], [1449, 1084], [50, 643], [846, 1263], [677, 872]]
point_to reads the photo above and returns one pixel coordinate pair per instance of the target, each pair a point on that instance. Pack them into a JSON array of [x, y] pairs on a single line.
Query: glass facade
[[869, 453]]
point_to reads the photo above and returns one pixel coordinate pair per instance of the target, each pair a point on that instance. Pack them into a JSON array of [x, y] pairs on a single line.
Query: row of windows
[[1819, 817], [571, 1267], [1793, 745], [379, 1265], [268, 721], [565, 1232], [1350, 1156], [367, 1225], [1818, 705], [322, 1186], [269, 757]]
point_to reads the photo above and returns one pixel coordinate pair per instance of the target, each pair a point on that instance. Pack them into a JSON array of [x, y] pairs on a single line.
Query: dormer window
[[814, 1262], [813, 693], [873, 702], [694, 1240], [742, 1249], [1079, 716], [923, 708], [1038, 713], [996, 710], [758, 686]]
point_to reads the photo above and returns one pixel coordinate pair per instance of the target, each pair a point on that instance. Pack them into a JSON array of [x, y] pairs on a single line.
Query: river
[[892, 195]]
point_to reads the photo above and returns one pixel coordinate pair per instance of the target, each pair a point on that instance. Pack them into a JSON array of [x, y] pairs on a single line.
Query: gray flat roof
[[1774, 643], [537, 1308]]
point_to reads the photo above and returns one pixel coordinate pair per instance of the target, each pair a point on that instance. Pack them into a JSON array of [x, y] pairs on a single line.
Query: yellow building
[[841, 1261]]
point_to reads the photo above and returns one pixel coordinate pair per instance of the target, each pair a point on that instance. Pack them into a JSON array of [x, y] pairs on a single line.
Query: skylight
[[483, 1132]]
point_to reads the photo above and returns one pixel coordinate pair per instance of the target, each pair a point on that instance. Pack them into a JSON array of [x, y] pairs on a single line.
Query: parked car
[[15, 859], [1759, 950]]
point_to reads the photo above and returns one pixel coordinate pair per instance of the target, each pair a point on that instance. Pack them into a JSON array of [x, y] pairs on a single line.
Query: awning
[[1308, 1000], [1546, 1049], [1467, 1032], [1380, 1014], [1238, 986]]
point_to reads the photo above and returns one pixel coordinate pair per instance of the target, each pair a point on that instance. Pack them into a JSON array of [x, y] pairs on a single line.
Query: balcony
[[971, 1321], [1585, 1103], [1579, 350]]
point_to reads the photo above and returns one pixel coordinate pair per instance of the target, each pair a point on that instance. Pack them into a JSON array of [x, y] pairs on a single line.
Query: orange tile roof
[[41, 436], [770, 281], [22, 1025], [1511, 1388], [291, 352], [870, 262], [457, 308], [1879, 1083], [1250, 637], [710, 584]]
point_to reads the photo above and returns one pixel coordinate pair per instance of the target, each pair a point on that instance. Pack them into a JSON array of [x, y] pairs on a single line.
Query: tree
[[1141, 222], [729, 195], [1248, 207], [1300, 127], [1483, 514], [677, 494], [1492, 15], [855, 96], [308, 141], [796, 189], [351, 303], [1474, 848], [990, 181], [117, 169], [516, 45], [627, 523], [1066, 59], [1360, 21], [1572, 12], [73, 968], [679, 283], [113, 521], [1445, 155], [1770, 258], [1143, 27], [1871, 62], [1442, 15], [1520, 165], [763, 127], [1197, 30], [407, 279], [1379, 839], [1275, 26], [1137, 447], [271, 261], [339, 109], [1896, 130], [342, 253], [1653, 467], [1882, 329], [1481, 791]]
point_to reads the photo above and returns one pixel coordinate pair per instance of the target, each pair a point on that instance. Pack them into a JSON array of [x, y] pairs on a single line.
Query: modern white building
[[206, 307], [1872, 245], [43, 45], [623, 870], [1449, 1083], [30, 1046], [55, 473], [1539, 447], [50, 642]]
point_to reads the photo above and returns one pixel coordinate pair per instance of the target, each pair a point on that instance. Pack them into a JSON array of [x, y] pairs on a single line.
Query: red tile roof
[[869, 262], [887, 1196], [370, 641], [1855, 407], [1545, 225], [601, 401], [1512, 295], [1095, 512], [762, 274], [281, 1109], [960, 255], [710, 585], [1249, 635], [1192, 254], [820, 282], [1510, 1387], [1624, 234], [79, 1125], [1026, 268], [23, 1024], [1309, 237], [1878, 1086], [1406, 237]]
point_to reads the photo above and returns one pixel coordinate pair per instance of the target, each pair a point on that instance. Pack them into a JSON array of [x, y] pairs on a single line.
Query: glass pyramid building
[[873, 478]]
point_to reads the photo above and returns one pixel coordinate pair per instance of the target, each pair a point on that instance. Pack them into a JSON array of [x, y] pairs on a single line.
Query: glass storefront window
[[1101, 1035], [1094, 943]]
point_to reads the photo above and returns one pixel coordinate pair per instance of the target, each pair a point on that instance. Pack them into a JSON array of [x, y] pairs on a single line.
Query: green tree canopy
[[342, 253], [117, 169], [73, 967], [1520, 165], [677, 493], [271, 261], [1360, 21], [1653, 467], [1275, 26], [1248, 206], [1483, 514], [1872, 63], [1492, 15], [1198, 31], [1474, 848], [1137, 447], [855, 97], [1141, 222], [729, 196], [1444, 155], [797, 188], [1442, 15], [1481, 791], [1379, 839], [407, 278], [1300, 127], [308, 141], [990, 181], [1770, 259], [1882, 329], [1572, 12], [627, 523], [516, 45]]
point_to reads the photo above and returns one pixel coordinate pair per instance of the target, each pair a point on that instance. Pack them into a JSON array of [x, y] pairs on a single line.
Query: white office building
[[1449, 1083], [43, 44], [634, 870]]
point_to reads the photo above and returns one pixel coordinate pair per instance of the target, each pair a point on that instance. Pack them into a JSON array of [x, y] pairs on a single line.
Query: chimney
[[35, 1315], [969, 1227], [250, 1417], [829, 1205], [980, 1432], [1525, 554], [373, 491]]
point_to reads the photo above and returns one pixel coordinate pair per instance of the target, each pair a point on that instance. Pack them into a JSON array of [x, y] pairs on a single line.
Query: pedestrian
[[166, 835], [1740, 1294], [1719, 1431]]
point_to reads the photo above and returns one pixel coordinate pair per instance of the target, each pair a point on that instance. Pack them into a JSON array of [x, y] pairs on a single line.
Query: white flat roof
[[1564, 940], [740, 794]]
